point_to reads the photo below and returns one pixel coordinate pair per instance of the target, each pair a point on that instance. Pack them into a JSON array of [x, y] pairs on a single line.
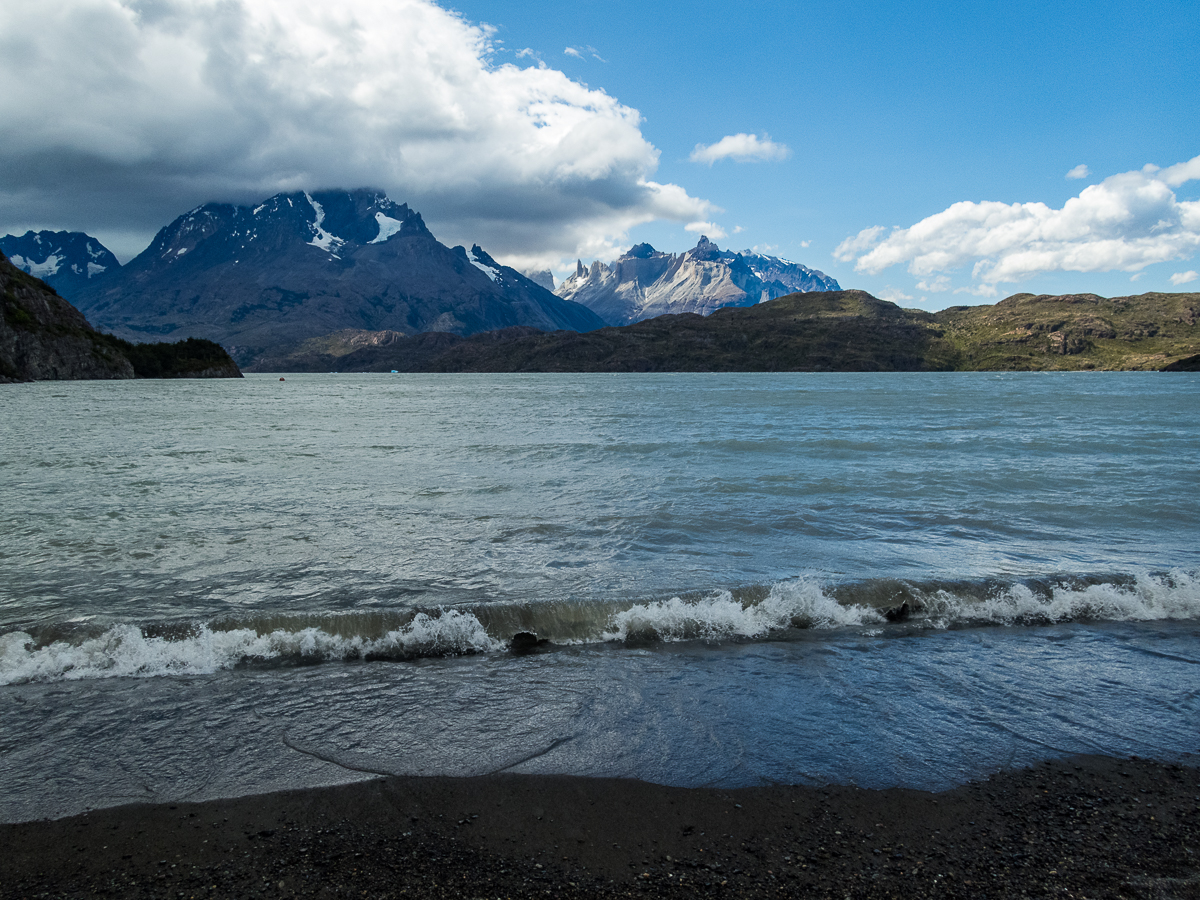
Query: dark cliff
[[43, 337]]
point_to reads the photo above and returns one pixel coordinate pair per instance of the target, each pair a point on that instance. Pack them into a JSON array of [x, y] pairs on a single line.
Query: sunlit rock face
[[645, 283]]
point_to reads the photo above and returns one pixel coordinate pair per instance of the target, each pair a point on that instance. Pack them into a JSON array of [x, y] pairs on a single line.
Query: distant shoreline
[[1084, 826], [832, 331]]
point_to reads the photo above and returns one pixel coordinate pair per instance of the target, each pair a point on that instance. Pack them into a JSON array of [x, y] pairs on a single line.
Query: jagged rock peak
[[643, 282], [329, 221]]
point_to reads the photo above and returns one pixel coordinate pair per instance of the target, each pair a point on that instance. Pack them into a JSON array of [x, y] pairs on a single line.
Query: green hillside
[[834, 331]]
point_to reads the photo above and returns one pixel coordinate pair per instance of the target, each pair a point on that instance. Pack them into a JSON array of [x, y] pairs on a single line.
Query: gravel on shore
[[1082, 827]]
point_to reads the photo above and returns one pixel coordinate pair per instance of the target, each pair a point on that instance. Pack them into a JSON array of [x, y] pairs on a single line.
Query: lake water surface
[[224, 587]]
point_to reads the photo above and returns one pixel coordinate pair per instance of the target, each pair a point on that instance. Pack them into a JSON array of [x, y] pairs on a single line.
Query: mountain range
[[645, 283], [262, 280], [301, 265], [65, 260]]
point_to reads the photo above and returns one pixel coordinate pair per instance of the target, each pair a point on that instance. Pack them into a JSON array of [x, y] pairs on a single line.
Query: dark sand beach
[[1091, 827]]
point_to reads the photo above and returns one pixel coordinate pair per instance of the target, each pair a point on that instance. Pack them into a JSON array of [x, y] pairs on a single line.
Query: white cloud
[[740, 147], [121, 114], [934, 285], [805, 243], [578, 52], [737, 229], [893, 295], [1080, 171], [713, 230], [1184, 277], [1179, 173], [868, 237], [1126, 222]]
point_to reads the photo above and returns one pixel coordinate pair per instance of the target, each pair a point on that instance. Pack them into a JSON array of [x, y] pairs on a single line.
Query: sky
[[932, 153]]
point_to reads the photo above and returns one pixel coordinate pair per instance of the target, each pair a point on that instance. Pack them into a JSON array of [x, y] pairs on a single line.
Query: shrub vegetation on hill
[[838, 331], [189, 358]]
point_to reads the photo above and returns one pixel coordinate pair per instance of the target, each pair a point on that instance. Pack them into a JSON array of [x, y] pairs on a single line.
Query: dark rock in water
[[898, 613], [524, 641], [45, 338]]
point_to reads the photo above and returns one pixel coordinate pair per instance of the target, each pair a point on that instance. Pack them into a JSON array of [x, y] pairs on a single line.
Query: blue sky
[[117, 115], [892, 111]]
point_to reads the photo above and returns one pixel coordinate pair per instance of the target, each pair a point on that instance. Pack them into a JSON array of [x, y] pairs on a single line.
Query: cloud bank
[[1126, 222], [740, 147], [121, 114]]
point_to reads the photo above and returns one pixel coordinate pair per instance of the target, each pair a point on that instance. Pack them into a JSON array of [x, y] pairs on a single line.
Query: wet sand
[[1090, 827]]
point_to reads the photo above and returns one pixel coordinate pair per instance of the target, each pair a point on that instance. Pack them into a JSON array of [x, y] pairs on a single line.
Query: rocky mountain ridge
[[301, 265], [644, 282], [66, 260], [846, 331]]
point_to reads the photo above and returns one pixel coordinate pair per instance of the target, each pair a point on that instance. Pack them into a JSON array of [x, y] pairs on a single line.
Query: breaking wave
[[790, 604], [126, 650], [750, 613]]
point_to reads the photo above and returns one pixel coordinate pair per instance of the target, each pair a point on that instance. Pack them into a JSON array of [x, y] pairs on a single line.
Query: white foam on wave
[[1147, 598], [796, 604], [126, 651]]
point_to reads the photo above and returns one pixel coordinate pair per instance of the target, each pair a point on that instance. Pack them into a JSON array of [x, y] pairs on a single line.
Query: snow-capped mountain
[[645, 283], [65, 260], [299, 265]]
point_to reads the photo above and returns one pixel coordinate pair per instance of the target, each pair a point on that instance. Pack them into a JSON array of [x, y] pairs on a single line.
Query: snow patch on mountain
[[66, 260], [44, 269], [330, 243], [387, 227], [491, 273]]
